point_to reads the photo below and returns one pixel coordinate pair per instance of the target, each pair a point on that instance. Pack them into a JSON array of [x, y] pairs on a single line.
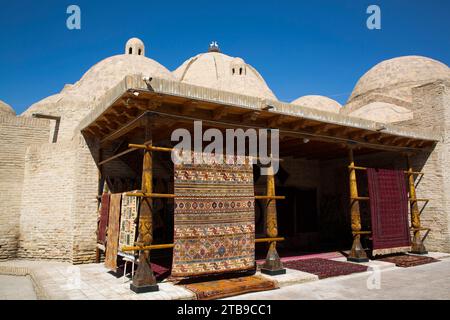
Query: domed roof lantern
[[135, 46], [213, 47]]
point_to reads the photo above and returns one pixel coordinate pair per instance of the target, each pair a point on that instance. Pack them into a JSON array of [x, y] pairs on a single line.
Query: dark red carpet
[[325, 268], [388, 208], [406, 261]]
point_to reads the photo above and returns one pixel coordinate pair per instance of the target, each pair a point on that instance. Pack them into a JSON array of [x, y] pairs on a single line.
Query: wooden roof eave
[[124, 111]]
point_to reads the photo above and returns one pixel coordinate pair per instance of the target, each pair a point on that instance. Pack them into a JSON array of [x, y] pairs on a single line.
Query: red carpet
[[325, 268], [324, 255], [388, 210]]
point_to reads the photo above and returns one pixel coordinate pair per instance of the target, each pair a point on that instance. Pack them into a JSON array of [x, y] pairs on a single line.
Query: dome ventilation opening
[[135, 46], [238, 67]]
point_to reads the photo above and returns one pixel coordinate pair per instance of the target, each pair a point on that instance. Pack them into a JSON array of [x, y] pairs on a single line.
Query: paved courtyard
[[430, 281], [16, 288], [58, 280]]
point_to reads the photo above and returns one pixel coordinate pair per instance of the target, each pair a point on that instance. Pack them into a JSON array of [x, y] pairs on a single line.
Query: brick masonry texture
[[16, 135]]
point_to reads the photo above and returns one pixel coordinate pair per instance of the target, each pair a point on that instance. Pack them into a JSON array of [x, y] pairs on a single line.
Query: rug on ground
[[230, 287], [214, 224], [389, 211], [324, 268], [406, 260]]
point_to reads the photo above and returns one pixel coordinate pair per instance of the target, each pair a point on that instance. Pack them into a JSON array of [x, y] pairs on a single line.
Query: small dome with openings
[[135, 46]]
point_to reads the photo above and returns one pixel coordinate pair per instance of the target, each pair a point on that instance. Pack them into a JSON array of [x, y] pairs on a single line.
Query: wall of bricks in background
[[16, 134]]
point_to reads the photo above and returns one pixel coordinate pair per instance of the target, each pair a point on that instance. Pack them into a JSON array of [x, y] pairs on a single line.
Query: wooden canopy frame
[[133, 111], [357, 253]]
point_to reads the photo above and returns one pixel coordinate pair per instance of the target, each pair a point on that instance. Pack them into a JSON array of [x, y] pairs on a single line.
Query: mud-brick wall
[[16, 133], [432, 110], [84, 203], [46, 223]]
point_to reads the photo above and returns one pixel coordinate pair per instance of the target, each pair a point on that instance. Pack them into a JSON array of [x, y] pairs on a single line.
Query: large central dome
[[399, 75], [218, 71]]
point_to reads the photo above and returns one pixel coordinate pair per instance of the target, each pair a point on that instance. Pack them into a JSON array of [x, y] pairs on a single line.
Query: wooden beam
[[417, 245], [274, 122], [144, 279], [189, 107], [272, 264], [171, 245], [219, 113], [250, 116], [129, 126], [357, 253]]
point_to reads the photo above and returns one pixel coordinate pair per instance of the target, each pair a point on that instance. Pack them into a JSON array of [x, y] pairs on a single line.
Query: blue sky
[[300, 47]]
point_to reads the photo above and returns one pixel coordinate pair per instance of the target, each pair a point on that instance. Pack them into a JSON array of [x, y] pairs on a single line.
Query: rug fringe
[[379, 252]]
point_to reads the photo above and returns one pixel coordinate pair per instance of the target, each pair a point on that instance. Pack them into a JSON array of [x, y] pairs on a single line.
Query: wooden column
[[357, 253], [417, 245], [144, 280], [272, 265]]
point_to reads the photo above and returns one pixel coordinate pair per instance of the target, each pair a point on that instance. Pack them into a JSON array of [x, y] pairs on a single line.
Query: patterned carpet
[[388, 210], [406, 260], [214, 224], [230, 287], [325, 268], [128, 218]]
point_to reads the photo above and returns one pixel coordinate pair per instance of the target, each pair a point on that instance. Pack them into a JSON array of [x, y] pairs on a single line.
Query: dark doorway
[[298, 219]]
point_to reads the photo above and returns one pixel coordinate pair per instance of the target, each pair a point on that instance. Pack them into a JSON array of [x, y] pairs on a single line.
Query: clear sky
[[300, 47]]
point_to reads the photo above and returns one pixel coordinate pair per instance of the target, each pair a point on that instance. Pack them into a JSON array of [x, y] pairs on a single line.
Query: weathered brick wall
[[432, 110], [84, 202], [16, 133], [46, 221], [431, 107]]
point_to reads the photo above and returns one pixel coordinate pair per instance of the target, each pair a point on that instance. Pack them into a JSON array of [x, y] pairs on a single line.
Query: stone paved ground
[[59, 280], [16, 288], [431, 281]]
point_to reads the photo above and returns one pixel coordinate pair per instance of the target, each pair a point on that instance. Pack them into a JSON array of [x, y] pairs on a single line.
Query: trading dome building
[[64, 153]]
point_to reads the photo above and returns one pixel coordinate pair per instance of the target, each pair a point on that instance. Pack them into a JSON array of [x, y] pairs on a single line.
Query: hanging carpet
[[113, 232], [389, 211], [230, 287], [103, 219], [128, 223], [214, 224]]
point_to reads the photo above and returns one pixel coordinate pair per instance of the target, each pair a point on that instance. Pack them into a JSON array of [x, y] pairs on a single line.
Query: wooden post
[[357, 253], [417, 245], [144, 280], [272, 265]]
